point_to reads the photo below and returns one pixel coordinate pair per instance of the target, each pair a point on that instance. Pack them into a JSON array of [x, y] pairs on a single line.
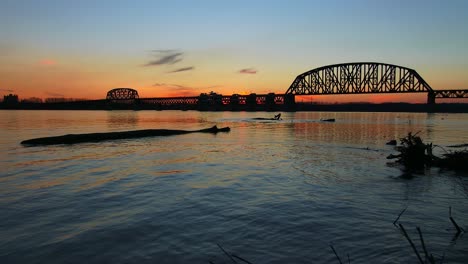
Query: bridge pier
[[290, 102], [431, 98]]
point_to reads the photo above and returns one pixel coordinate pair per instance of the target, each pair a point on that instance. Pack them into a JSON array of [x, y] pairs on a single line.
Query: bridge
[[205, 101], [366, 78], [345, 78]]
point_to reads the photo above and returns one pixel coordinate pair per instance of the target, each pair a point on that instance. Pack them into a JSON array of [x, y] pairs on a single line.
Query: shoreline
[[298, 107]]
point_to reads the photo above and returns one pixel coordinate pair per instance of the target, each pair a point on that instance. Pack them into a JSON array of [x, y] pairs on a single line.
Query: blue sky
[[278, 39]]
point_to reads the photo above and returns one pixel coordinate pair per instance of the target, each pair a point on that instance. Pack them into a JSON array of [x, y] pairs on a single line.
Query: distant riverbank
[[386, 107], [346, 107]]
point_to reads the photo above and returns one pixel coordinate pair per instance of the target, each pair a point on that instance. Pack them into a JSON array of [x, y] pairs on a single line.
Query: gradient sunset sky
[[82, 49]]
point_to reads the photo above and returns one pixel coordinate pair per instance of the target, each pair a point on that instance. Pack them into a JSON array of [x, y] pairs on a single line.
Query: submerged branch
[[411, 243], [338, 257], [394, 222], [227, 254]]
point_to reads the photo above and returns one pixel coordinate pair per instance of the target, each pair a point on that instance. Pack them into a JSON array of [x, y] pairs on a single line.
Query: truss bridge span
[[365, 78]]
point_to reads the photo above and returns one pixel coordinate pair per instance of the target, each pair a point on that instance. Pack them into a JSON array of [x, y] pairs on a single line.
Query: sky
[[82, 49]]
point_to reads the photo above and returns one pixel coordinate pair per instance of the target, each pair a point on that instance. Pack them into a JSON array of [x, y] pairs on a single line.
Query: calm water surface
[[270, 192]]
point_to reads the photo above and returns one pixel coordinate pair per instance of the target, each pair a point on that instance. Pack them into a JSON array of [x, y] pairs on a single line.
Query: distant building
[[10, 99]]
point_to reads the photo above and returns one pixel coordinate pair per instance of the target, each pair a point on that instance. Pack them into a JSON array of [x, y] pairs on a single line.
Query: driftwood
[[97, 137], [415, 154], [275, 118], [265, 118], [457, 160]]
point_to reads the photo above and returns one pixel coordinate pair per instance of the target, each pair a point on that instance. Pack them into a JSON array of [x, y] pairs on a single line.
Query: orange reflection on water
[[359, 128]]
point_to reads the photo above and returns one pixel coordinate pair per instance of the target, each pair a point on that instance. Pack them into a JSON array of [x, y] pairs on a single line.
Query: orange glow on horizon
[[92, 78]]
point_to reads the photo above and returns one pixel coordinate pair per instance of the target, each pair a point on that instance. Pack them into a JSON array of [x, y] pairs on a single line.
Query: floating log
[[97, 137], [276, 117], [265, 118]]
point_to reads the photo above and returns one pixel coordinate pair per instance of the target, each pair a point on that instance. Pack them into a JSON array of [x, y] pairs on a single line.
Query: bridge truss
[[450, 93], [171, 100], [122, 94], [358, 78]]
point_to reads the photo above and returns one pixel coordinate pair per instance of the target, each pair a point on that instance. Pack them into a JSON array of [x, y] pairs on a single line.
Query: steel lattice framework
[[171, 100], [358, 78], [451, 93], [122, 94]]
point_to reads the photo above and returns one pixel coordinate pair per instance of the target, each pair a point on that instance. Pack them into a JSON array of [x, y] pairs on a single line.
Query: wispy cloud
[[173, 86], [165, 57], [176, 89], [47, 62], [213, 86], [248, 71], [54, 94], [7, 90], [183, 69], [182, 90]]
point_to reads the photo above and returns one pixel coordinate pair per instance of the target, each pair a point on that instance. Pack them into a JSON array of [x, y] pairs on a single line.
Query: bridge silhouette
[[336, 79], [345, 78], [366, 78]]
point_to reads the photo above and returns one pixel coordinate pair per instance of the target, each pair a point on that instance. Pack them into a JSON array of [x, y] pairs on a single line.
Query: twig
[[227, 254], [411, 243], [349, 260], [459, 229], [429, 257], [400, 215], [338, 257], [242, 259]]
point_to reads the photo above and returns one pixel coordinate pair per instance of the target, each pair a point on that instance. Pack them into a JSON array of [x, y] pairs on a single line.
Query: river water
[[267, 191]]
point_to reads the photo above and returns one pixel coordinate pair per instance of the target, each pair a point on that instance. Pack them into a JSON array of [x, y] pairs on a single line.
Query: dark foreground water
[[270, 192]]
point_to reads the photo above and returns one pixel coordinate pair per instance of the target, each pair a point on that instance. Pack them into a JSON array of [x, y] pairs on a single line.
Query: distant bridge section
[[358, 78], [450, 93], [122, 94], [215, 101]]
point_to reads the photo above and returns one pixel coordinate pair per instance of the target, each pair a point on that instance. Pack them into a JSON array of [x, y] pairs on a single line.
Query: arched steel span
[[122, 94], [358, 78]]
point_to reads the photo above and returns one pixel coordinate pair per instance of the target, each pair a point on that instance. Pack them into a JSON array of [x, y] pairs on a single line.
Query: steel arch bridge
[[122, 94], [359, 78]]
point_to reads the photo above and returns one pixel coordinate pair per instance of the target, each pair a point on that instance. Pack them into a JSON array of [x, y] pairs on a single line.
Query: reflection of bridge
[[365, 78]]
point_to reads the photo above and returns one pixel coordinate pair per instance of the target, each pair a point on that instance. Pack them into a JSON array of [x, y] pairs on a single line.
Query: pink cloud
[[248, 71], [47, 62]]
